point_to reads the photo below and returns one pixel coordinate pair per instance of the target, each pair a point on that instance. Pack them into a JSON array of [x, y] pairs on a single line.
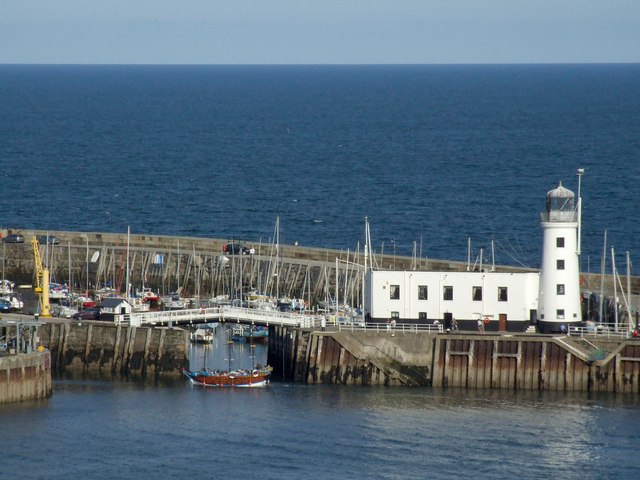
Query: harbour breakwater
[[411, 358], [199, 267]]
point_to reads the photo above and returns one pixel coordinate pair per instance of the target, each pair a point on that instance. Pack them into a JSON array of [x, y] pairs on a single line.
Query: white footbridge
[[220, 314], [265, 317]]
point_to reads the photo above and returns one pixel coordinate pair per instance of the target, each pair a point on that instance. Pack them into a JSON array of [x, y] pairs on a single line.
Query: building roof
[[112, 302]]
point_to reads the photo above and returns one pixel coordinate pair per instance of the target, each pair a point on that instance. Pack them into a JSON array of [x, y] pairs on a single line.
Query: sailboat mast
[[277, 257], [615, 289], [345, 292], [603, 261], [70, 278], [204, 356], [336, 289], [251, 348], [629, 291], [178, 269], [126, 295], [367, 242], [195, 273]]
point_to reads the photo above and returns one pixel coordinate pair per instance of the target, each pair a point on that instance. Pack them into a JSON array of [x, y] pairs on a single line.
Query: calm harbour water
[[431, 154], [101, 429], [94, 429]]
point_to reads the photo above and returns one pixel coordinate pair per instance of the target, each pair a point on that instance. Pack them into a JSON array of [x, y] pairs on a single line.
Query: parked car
[[63, 311], [235, 249], [14, 300], [5, 306], [92, 313], [14, 238], [42, 240]]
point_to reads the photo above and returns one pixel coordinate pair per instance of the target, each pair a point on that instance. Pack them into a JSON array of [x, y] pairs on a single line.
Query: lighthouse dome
[[560, 204], [560, 192]]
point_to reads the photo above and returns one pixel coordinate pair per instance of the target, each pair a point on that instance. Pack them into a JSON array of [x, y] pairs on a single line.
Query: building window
[[447, 293], [422, 316], [394, 292], [560, 264], [395, 316], [423, 292], [503, 294], [560, 242], [560, 289], [560, 313], [477, 294]]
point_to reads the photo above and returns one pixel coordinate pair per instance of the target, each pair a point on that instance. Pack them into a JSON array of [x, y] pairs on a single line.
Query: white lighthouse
[[559, 295]]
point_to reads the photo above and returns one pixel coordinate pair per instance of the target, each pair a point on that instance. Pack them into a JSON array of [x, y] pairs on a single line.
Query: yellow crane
[[42, 281]]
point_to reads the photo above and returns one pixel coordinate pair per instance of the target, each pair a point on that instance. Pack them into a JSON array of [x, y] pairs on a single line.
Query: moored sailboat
[[203, 334], [257, 376], [249, 333]]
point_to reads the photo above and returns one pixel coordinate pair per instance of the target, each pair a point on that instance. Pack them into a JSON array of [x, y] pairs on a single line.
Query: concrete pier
[[25, 377], [514, 362]]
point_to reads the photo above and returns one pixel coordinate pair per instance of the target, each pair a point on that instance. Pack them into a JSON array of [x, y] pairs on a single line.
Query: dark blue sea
[[430, 154]]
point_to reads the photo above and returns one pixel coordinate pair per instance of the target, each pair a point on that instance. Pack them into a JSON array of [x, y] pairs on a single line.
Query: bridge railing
[[215, 314], [267, 316], [174, 316]]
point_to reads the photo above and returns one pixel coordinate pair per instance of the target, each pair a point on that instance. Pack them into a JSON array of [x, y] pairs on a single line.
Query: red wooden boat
[[258, 377]]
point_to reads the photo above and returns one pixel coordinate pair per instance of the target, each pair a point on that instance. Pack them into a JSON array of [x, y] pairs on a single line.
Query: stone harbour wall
[[117, 350]]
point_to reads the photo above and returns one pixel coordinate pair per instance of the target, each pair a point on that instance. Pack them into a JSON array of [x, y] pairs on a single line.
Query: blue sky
[[320, 31]]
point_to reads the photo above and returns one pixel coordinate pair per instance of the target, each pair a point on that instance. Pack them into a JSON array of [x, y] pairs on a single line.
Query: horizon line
[[319, 64]]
